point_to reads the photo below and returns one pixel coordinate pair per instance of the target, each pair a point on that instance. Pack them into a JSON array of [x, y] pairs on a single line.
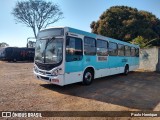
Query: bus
[[17, 54], [65, 55]]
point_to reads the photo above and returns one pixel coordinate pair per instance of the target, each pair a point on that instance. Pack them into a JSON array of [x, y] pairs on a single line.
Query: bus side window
[[121, 49], [127, 51], [102, 47], [133, 51], [89, 46], [137, 52], [112, 49], [73, 49]]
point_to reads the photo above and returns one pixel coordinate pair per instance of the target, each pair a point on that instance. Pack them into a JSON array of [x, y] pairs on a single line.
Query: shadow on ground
[[139, 90]]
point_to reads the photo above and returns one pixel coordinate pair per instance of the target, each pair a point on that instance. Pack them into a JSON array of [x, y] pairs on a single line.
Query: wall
[[150, 59], [158, 64]]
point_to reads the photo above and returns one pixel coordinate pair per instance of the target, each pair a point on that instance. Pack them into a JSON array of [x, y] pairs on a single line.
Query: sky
[[77, 14]]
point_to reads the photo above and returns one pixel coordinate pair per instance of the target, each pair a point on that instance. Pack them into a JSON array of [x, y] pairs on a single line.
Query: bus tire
[[126, 70], [88, 77]]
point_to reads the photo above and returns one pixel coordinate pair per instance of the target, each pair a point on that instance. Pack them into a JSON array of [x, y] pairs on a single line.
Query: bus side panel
[[90, 61], [130, 63], [122, 61], [102, 67], [135, 63], [116, 64], [9, 54], [73, 72], [17, 54]]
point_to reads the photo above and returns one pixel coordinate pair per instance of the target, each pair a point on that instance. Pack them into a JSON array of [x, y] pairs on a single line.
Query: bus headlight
[[56, 71]]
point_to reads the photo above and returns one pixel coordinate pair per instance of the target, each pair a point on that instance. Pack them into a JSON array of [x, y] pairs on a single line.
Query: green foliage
[[140, 41], [3, 44], [143, 43], [126, 23]]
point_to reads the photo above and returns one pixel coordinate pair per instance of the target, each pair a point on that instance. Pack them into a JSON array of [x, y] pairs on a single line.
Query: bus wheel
[[87, 77], [126, 70]]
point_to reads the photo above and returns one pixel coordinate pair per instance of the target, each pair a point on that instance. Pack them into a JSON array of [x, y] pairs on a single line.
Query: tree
[[126, 23], [3, 44], [36, 14], [143, 43]]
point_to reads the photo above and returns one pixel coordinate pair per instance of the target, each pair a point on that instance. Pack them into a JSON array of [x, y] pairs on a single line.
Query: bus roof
[[88, 34]]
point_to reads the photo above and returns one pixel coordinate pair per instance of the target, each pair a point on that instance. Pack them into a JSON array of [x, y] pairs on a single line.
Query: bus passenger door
[[102, 66], [73, 63]]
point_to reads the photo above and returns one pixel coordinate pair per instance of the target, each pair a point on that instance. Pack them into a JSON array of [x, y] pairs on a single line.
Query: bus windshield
[[49, 50]]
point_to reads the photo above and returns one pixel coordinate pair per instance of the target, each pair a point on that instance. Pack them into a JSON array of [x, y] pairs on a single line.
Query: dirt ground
[[21, 91]]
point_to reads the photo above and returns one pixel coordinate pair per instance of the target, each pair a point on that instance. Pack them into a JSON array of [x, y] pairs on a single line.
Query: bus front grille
[[44, 66], [45, 78]]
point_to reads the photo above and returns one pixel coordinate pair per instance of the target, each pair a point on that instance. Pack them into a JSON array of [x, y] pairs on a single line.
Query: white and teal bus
[[65, 55]]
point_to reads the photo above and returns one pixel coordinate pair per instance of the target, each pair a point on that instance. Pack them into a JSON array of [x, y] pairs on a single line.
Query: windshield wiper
[[47, 43]]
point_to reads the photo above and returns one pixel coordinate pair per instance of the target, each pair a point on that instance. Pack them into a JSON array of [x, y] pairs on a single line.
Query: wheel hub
[[88, 76]]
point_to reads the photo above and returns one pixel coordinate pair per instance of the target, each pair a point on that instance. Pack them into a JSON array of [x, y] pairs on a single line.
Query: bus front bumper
[[58, 80]]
